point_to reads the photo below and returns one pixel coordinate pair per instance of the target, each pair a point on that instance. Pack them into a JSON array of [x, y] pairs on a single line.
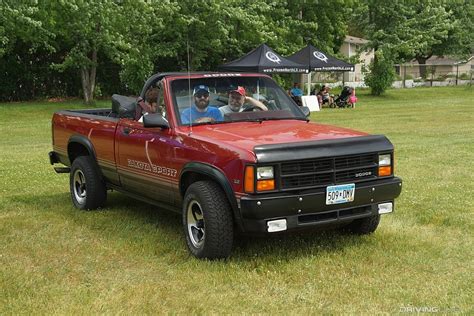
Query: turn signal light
[[249, 179], [265, 185], [385, 171]]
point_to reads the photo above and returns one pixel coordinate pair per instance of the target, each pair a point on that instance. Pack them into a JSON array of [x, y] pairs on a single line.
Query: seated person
[[324, 96], [296, 91], [237, 98], [200, 111], [150, 105]]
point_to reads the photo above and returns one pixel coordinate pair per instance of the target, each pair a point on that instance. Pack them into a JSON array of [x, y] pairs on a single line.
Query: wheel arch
[[197, 171], [80, 145]]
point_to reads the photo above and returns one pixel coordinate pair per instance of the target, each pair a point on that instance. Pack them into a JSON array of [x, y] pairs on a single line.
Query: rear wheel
[[364, 226], [88, 190], [207, 221]]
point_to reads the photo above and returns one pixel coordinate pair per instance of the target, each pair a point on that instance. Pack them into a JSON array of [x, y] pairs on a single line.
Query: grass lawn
[[131, 258]]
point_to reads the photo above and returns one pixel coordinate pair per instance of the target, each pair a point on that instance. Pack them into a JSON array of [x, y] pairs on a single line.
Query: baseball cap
[[201, 89], [240, 90]]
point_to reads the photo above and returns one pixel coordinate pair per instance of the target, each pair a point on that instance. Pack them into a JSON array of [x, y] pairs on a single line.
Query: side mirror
[[155, 120], [306, 111]]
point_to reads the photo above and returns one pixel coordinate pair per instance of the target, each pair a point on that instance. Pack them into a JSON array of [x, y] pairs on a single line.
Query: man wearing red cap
[[237, 98]]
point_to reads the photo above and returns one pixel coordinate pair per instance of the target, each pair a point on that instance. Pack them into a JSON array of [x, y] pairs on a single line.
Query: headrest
[[124, 106]]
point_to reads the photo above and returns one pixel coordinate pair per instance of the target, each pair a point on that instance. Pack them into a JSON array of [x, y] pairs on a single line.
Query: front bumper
[[309, 208]]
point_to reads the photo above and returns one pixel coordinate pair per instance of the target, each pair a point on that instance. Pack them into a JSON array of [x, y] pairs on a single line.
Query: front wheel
[[88, 190], [364, 226], [207, 221]]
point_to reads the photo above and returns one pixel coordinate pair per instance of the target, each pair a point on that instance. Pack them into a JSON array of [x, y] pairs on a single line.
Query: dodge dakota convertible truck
[[232, 153]]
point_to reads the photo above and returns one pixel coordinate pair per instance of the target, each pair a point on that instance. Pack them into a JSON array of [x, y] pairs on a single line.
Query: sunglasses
[[201, 95]]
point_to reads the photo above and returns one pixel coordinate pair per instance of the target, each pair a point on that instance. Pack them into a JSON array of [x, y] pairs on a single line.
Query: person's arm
[[256, 103]]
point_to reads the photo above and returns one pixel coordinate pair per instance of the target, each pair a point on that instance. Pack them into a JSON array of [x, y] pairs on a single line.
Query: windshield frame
[[294, 111]]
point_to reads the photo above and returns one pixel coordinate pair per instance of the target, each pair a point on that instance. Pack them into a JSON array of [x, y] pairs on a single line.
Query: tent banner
[[333, 68], [286, 70]]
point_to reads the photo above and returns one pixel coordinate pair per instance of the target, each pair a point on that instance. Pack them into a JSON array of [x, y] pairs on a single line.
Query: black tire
[[364, 226], [207, 221], [88, 190]]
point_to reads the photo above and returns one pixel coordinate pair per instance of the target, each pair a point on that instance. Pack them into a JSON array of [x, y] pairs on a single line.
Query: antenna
[[189, 93]]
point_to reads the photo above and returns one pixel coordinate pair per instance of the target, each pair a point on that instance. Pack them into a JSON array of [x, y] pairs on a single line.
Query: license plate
[[337, 194]]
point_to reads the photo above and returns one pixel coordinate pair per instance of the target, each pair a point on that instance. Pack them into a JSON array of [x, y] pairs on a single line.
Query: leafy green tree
[[381, 74], [144, 36], [122, 31], [22, 21], [418, 29], [383, 24]]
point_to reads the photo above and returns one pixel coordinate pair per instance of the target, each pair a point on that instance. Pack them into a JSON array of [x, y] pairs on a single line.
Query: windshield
[[219, 100]]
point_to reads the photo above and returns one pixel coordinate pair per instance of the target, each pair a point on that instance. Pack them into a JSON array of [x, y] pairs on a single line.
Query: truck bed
[[99, 112]]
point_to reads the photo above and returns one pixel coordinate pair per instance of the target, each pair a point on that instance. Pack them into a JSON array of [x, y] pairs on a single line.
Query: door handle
[[126, 131]]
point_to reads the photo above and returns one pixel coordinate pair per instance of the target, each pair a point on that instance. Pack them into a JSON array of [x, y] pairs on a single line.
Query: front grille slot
[[346, 214], [323, 217], [306, 166], [354, 212], [327, 171], [306, 180], [354, 161]]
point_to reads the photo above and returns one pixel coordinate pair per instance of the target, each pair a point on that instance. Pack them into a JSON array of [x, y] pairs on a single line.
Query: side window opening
[[161, 107]]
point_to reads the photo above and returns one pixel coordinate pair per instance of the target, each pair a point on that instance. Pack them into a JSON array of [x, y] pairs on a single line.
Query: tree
[[418, 30], [451, 31], [383, 24], [21, 21], [380, 75], [120, 30], [83, 29]]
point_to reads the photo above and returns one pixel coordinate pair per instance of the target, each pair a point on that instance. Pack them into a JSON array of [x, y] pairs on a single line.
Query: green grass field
[[130, 257]]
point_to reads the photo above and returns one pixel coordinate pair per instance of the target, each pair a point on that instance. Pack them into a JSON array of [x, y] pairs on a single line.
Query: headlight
[[385, 160], [264, 173], [265, 179], [385, 165]]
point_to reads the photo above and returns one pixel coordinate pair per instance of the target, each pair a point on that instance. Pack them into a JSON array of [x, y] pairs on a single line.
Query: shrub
[[380, 74]]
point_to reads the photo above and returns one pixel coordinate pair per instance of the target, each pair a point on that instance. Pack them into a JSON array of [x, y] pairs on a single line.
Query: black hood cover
[[322, 148]]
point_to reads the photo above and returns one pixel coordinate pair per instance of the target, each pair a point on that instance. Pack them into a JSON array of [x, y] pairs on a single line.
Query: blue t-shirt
[[296, 92], [195, 114]]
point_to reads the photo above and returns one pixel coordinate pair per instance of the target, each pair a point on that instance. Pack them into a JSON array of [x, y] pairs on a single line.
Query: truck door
[[143, 156]]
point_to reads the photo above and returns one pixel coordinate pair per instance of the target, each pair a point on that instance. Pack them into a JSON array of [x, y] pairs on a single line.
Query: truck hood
[[248, 135]]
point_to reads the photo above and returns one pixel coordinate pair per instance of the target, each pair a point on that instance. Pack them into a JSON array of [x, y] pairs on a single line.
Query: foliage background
[[52, 48]]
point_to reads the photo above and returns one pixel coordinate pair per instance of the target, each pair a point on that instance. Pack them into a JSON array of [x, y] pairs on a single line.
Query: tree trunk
[[88, 75], [422, 66]]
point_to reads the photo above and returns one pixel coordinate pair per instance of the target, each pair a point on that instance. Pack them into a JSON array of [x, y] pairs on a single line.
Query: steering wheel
[[251, 108], [205, 119]]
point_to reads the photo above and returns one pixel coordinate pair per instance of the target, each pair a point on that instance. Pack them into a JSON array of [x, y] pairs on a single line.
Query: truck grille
[[326, 171]]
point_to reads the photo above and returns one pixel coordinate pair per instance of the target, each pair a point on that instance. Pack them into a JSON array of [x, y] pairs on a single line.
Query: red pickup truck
[[226, 163]]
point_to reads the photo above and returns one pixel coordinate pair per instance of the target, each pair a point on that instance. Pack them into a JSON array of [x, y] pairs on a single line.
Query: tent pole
[[309, 83]]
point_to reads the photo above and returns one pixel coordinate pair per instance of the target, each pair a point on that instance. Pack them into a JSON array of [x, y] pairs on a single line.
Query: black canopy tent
[[264, 59], [315, 60]]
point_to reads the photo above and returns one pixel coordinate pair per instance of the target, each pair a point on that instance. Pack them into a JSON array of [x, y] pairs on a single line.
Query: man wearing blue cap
[[201, 112]]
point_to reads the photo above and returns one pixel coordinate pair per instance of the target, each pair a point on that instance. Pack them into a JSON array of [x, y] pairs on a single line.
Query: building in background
[[352, 46], [437, 67]]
